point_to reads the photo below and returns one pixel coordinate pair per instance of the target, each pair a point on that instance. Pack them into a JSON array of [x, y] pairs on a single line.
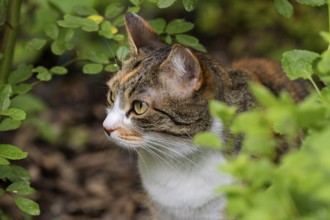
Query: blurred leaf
[[13, 173], [158, 25], [22, 88], [1, 56], [3, 161], [111, 68], [92, 68], [312, 2], [59, 70], [27, 205], [284, 7], [324, 67], [113, 10], [105, 30], [43, 74], [11, 152], [189, 5], [70, 21], [134, 9], [178, 26], [299, 63], [199, 47], [97, 57], [52, 31], [119, 37], [9, 124], [5, 92], [36, 44], [46, 130], [187, 40], [119, 21], [22, 73], [21, 187], [136, 2], [29, 103], [165, 3], [122, 52], [14, 113], [96, 18], [325, 36], [222, 111], [207, 139], [84, 10], [58, 47], [168, 39]]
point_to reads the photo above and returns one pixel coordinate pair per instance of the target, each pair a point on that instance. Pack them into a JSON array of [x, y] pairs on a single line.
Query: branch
[[9, 39]]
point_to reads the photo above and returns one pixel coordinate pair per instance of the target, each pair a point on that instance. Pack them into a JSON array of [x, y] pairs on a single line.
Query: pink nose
[[108, 130]]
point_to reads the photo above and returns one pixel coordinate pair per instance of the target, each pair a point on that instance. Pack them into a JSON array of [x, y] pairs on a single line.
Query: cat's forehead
[[138, 68]]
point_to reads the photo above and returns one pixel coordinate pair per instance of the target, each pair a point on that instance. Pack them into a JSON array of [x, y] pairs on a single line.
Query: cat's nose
[[108, 131]]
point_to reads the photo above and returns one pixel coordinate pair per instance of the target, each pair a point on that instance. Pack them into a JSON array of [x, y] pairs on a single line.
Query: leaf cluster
[[296, 184]]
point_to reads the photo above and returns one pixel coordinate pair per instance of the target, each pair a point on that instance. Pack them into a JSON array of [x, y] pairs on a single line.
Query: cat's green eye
[[112, 96], [140, 107]]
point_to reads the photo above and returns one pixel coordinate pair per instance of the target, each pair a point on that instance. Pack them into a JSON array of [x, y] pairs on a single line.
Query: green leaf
[[3, 161], [222, 111], [59, 70], [97, 57], [168, 39], [178, 26], [58, 47], [119, 21], [122, 52], [207, 139], [27, 205], [90, 25], [84, 10], [299, 63], [284, 7], [187, 40], [29, 103], [22, 73], [134, 9], [106, 30], [190, 5], [13, 173], [70, 21], [43, 73], [14, 113], [136, 2], [22, 88], [324, 67], [92, 68], [326, 36], [1, 56], [199, 47], [21, 187], [312, 2], [113, 10], [5, 92], [1, 194], [9, 124], [165, 3], [36, 44], [158, 25], [52, 31], [11, 152], [119, 37], [111, 68]]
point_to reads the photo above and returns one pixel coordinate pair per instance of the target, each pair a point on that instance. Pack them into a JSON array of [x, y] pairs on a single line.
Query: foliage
[[296, 185], [69, 29]]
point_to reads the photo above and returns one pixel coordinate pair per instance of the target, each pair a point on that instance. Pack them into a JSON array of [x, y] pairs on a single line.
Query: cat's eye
[[140, 107], [111, 96]]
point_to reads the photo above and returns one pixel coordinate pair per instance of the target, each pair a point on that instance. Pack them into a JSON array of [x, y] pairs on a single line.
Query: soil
[[80, 174]]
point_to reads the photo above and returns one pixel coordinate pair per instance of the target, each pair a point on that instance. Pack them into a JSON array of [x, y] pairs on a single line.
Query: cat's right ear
[[140, 33]]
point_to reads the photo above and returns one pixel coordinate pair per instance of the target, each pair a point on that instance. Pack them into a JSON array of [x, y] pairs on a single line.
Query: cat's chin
[[125, 143]]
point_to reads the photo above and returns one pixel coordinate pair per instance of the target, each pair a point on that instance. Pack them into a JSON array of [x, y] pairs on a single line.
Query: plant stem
[[9, 38]]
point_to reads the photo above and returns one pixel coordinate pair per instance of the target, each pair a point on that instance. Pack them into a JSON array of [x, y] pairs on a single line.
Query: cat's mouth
[[124, 138]]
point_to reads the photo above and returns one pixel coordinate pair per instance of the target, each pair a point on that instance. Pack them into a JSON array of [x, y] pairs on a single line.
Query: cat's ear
[[140, 33], [182, 71]]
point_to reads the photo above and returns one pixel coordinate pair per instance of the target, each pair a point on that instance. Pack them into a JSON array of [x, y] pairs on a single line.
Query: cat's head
[[160, 94]]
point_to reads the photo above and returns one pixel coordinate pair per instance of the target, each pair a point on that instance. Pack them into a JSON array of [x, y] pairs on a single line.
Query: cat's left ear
[[182, 71], [140, 33]]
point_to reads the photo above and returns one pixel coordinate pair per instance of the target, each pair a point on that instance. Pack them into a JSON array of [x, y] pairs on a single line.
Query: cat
[[159, 100]]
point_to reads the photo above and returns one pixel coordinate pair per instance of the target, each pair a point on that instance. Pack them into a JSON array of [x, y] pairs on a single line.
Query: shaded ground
[[80, 176]]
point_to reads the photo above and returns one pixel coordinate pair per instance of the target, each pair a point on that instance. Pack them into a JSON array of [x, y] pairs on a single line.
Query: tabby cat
[[159, 100]]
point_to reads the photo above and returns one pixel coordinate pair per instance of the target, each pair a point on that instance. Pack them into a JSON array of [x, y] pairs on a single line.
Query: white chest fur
[[185, 189]]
